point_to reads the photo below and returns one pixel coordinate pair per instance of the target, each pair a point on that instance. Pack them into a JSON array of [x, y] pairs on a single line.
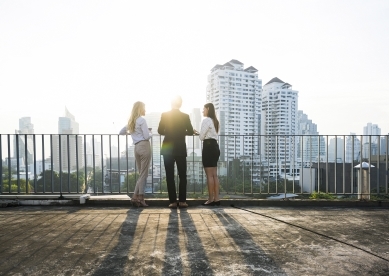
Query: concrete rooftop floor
[[250, 240]]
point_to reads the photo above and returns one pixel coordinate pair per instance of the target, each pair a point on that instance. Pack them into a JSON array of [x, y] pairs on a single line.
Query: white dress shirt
[[141, 131], [208, 130]]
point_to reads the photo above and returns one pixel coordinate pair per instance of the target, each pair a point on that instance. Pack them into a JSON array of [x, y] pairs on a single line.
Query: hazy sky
[[98, 57]]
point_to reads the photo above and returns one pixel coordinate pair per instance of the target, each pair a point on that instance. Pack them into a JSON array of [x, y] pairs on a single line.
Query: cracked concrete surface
[[74, 240]]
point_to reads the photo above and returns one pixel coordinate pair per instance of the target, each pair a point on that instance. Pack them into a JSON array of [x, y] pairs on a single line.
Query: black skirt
[[210, 153]]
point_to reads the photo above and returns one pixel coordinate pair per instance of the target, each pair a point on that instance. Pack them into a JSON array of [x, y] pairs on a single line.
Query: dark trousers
[[180, 161]]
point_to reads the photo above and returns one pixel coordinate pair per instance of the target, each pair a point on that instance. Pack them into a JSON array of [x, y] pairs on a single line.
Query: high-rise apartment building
[[279, 122], [67, 151], [25, 140], [235, 92], [353, 148], [193, 142], [336, 151], [152, 120], [373, 130], [371, 139], [311, 146]]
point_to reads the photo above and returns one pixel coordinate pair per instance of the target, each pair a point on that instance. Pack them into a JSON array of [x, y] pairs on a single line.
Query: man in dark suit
[[175, 125]]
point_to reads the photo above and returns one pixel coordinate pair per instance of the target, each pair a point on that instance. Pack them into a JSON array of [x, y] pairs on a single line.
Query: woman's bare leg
[[210, 184], [215, 184]]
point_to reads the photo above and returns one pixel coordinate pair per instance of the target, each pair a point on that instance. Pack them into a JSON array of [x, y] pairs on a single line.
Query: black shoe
[[217, 203], [209, 203]]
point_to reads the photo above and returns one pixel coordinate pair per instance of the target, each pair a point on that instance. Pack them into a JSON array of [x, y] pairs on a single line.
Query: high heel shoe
[[209, 203], [134, 202], [141, 201]]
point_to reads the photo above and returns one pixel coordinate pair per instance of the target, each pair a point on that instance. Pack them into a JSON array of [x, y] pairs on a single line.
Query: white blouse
[[141, 131], [208, 130]]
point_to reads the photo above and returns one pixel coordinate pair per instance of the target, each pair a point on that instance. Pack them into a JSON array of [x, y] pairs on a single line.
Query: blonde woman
[[140, 135]]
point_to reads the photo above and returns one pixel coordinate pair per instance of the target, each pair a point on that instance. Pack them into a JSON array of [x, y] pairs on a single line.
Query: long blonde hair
[[136, 112]]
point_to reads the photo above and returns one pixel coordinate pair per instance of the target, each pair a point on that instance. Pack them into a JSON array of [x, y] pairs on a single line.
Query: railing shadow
[[258, 262], [116, 261]]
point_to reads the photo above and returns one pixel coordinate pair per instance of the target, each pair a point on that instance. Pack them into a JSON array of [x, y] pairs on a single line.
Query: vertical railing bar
[[160, 166], [152, 163], [369, 165], [228, 162], [35, 174], [119, 172], [86, 166], [327, 141], [378, 154], [43, 165], [318, 165], [352, 164], [60, 164], [26, 161], [335, 164], [1, 167], [127, 178], [77, 174], [193, 168], [102, 167], [252, 162], [9, 163], [360, 168], [102, 162], [202, 171], [285, 151], [301, 169], [313, 179], [244, 166], [235, 171], [96, 191], [51, 162], [277, 158], [258, 154], [386, 166], [344, 166], [293, 163], [110, 162], [68, 155], [17, 163], [268, 164]]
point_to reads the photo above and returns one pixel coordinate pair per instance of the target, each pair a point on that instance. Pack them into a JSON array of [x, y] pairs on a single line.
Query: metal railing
[[250, 165]]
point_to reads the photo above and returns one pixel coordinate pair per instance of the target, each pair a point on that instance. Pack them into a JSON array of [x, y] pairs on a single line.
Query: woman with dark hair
[[210, 153]]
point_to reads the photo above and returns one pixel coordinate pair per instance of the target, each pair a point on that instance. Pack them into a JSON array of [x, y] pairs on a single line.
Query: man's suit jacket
[[174, 125]]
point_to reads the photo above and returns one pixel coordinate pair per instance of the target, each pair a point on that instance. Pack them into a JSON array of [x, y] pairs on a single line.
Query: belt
[[139, 142]]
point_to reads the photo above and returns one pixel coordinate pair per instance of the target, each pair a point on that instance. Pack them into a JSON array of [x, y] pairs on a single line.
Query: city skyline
[[98, 58]]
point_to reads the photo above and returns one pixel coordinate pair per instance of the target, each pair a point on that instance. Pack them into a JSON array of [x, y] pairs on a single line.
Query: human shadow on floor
[[173, 260], [116, 260], [198, 261], [258, 262]]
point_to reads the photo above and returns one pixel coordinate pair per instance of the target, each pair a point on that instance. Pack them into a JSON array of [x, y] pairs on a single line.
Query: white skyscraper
[[370, 140], [68, 147], [309, 140], [336, 150], [193, 142], [279, 121], [353, 148], [152, 120], [236, 95], [24, 141]]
